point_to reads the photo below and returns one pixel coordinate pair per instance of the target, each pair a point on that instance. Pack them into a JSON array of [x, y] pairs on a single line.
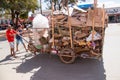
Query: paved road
[[49, 67], [111, 52]]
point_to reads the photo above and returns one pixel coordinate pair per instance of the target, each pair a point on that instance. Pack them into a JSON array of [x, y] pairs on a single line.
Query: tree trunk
[[17, 19], [13, 17]]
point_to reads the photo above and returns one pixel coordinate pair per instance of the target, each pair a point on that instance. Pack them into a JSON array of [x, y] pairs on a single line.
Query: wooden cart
[[71, 37]]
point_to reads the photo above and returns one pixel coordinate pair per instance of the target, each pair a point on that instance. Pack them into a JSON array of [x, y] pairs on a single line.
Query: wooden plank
[[103, 18], [103, 26], [93, 20], [53, 43], [69, 25]]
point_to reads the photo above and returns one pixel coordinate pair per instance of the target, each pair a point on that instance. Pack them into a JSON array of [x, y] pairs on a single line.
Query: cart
[[71, 37]]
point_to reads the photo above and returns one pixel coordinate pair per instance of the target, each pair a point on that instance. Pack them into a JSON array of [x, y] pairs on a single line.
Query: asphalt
[[49, 67]]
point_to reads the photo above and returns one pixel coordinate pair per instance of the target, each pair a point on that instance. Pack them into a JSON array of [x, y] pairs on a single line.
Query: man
[[10, 33], [19, 37]]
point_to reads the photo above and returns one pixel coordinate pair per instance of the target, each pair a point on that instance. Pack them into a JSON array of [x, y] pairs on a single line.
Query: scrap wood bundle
[[76, 19], [98, 16], [81, 23], [81, 19]]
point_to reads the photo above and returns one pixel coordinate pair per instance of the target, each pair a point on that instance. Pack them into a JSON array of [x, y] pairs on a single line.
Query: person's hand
[[17, 33]]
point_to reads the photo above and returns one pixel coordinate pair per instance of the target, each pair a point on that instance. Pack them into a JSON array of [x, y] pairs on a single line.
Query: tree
[[60, 3], [56, 2], [21, 6]]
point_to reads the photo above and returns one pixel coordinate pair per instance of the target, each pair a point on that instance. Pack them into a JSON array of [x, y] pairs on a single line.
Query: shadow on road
[[53, 69], [6, 58]]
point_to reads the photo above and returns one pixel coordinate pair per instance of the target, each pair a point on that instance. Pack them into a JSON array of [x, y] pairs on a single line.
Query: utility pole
[[41, 6]]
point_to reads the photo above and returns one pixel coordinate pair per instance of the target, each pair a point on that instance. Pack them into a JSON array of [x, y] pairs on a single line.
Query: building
[[113, 14]]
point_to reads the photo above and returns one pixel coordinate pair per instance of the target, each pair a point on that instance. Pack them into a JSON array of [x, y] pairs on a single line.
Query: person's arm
[[15, 32], [6, 35], [22, 31]]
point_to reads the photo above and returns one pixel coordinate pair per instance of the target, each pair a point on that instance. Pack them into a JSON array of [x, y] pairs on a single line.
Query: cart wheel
[[32, 49], [67, 55]]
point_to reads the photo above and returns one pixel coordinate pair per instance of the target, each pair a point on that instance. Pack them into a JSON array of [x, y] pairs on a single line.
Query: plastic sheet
[[40, 21]]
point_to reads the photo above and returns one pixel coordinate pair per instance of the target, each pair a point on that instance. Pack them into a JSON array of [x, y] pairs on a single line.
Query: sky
[[107, 3]]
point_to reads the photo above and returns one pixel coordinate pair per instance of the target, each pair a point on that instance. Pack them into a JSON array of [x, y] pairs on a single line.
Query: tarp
[[95, 36], [78, 8], [85, 6], [71, 8], [40, 21]]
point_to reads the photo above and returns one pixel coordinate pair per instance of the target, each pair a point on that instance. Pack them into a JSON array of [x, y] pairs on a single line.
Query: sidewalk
[[111, 52], [9, 64], [2, 33]]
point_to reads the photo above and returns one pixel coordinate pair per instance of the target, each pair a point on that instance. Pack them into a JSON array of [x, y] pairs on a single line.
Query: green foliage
[[22, 6], [24, 15]]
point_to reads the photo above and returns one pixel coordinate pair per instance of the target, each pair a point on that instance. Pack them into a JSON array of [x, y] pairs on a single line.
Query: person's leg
[[13, 53], [12, 49], [16, 47], [25, 47], [11, 45], [23, 44], [17, 43]]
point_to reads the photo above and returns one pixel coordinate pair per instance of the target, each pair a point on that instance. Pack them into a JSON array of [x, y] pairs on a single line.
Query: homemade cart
[[72, 34]]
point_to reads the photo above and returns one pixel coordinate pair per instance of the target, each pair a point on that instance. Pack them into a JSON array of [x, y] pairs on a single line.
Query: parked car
[[4, 23]]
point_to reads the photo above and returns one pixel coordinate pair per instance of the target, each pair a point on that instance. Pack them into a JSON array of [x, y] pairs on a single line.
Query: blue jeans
[[19, 40]]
